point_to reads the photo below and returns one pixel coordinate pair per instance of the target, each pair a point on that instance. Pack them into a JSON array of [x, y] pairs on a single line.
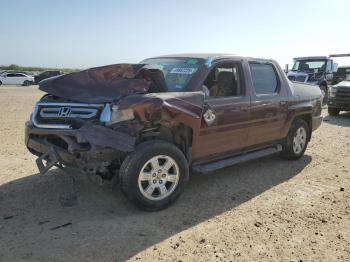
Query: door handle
[[283, 103]]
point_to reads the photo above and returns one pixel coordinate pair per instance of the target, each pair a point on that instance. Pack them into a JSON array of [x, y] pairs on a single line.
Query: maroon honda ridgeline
[[145, 125]]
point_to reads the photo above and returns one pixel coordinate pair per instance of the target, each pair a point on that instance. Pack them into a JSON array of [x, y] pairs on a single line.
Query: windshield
[[309, 65], [177, 71]]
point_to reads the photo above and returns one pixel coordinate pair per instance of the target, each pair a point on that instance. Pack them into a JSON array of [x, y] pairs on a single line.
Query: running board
[[206, 168]]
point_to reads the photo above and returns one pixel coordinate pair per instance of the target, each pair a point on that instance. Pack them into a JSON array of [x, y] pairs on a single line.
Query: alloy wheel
[[299, 140], [159, 177]]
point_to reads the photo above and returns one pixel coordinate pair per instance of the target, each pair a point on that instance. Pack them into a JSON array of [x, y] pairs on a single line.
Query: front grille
[[67, 112], [64, 115], [297, 78], [300, 78], [343, 95]]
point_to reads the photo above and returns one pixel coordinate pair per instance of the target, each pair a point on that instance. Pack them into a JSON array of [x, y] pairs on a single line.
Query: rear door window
[[264, 77]]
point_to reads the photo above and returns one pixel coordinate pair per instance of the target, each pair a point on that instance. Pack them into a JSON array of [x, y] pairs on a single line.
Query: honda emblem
[[64, 112]]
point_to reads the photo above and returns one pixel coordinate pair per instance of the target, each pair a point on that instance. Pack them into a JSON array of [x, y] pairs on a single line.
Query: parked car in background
[[16, 79], [147, 124], [28, 73], [46, 74]]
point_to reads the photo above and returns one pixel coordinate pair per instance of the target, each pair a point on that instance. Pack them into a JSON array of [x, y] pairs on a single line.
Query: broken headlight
[[112, 115]]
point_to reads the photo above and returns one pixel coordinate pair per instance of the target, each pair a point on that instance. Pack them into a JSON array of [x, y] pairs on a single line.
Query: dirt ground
[[265, 210]]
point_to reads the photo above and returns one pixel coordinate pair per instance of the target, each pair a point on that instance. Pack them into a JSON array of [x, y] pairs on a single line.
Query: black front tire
[[288, 151], [0, 83], [333, 111], [133, 164], [26, 83]]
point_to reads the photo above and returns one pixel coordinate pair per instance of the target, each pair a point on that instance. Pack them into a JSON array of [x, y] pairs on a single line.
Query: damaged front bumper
[[91, 148]]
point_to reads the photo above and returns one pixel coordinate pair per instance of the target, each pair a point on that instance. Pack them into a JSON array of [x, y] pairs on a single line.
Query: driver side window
[[224, 80]]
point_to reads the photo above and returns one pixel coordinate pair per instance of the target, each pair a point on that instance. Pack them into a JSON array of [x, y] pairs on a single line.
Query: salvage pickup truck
[[147, 125]]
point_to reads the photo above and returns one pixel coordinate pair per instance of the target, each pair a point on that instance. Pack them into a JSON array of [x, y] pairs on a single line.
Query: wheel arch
[[177, 133], [174, 119], [307, 117], [303, 110]]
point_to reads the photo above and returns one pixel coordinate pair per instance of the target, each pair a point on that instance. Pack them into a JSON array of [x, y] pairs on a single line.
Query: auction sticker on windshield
[[183, 71]]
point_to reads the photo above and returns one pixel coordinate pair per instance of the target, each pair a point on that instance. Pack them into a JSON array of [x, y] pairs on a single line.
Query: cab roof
[[311, 58], [212, 56]]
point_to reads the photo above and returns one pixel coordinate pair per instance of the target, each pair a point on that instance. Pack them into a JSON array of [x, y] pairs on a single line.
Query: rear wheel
[[0, 83], [154, 175], [333, 111], [296, 140]]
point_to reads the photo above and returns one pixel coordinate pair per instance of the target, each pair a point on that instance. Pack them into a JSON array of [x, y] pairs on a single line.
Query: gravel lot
[[265, 210]]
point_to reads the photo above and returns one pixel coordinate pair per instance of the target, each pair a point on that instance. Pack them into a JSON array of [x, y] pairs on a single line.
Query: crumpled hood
[[104, 84]]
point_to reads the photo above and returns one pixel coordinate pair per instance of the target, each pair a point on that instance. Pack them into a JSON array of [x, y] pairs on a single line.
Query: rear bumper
[[316, 122]]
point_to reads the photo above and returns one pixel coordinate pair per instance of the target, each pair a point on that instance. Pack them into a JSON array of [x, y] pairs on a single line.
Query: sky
[[83, 33]]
